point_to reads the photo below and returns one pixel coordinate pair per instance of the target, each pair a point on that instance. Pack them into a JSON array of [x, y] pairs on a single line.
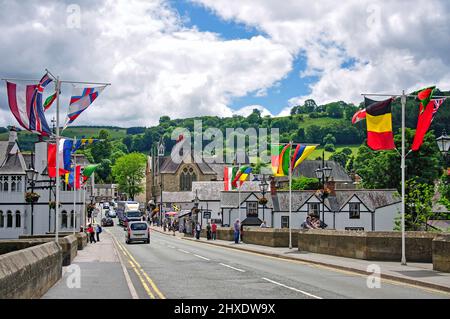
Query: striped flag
[[241, 175], [81, 99], [61, 154], [379, 124], [229, 173], [301, 153]]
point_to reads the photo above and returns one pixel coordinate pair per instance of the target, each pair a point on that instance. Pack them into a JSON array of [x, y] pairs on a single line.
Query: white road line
[[170, 246], [183, 251], [301, 291], [225, 265], [201, 257]]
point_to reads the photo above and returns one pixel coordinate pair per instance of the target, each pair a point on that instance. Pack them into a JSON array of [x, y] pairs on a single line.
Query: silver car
[[137, 231]]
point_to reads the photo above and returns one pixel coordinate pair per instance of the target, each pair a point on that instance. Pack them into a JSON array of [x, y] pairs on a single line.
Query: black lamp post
[[443, 142], [323, 173], [161, 151], [32, 176], [263, 186]]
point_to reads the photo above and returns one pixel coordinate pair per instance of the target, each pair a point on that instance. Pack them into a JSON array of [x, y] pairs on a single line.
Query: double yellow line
[[150, 288]]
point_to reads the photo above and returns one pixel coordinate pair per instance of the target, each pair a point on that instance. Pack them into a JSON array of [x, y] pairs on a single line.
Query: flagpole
[[290, 195], [239, 194], [403, 100], [58, 180], [74, 188]]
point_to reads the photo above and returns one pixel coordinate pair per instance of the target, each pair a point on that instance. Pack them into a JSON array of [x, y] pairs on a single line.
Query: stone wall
[[31, 272], [272, 237], [368, 245], [441, 253]]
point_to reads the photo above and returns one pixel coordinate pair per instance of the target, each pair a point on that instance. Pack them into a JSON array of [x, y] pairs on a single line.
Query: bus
[[123, 208]]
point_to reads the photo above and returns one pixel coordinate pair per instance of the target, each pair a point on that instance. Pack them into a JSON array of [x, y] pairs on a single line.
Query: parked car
[[107, 221], [111, 213], [137, 231]]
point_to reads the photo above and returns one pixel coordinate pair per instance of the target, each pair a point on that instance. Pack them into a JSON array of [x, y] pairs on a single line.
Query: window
[[18, 220], [9, 219], [186, 178], [354, 211], [2, 220], [13, 186], [314, 208], [19, 184], [72, 219], [284, 221], [252, 209], [64, 219], [5, 184]]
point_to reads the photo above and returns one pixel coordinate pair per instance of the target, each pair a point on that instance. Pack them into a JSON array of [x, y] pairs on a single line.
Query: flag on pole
[[424, 121], [49, 101], [61, 154], [229, 173], [88, 171], [73, 176], [241, 175], [379, 124], [25, 103], [82, 142], [424, 96], [359, 116], [280, 159], [80, 101], [301, 153]]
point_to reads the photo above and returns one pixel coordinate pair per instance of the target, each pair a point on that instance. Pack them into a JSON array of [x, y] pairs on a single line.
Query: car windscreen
[[139, 226], [134, 214]]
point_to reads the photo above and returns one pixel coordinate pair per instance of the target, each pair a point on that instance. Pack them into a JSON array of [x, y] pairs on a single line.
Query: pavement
[[101, 274], [419, 274]]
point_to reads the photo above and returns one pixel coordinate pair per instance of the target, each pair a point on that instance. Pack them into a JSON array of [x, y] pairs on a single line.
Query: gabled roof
[[372, 198], [308, 169], [3, 151], [13, 163]]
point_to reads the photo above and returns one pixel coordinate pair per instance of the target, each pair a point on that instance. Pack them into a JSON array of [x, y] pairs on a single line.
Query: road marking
[[133, 266], [183, 251], [150, 281], [171, 247], [225, 265], [202, 257], [291, 288], [130, 285]]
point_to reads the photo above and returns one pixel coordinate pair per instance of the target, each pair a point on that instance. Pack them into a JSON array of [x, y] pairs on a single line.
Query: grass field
[[319, 150]]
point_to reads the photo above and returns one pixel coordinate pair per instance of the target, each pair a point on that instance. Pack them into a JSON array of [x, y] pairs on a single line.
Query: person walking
[[208, 231], [98, 230], [237, 230], [198, 229], [214, 230], [263, 225], [90, 231]]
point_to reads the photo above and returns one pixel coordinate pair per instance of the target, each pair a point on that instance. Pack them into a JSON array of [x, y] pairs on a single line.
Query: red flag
[[424, 121], [77, 177], [359, 116], [51, 162]]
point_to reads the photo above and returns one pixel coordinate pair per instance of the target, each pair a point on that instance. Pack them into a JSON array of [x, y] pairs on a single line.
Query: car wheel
[[147, 241]]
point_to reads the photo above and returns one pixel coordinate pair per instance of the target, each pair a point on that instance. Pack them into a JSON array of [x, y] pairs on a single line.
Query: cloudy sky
[[221, 57]]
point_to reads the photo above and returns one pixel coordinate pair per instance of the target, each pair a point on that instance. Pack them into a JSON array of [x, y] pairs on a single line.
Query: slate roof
[[373, 199], [3, 151], [177, 197], [11, 163], [308, 168], [207, 191], [170, 167]]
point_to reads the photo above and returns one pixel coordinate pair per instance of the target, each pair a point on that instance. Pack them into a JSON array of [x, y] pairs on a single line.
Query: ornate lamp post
[[161, 151], [263, 186], [323, 174], [32, 176], [443, 142]]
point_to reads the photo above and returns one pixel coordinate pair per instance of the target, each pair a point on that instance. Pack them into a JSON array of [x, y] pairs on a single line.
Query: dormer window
[[354, 211]]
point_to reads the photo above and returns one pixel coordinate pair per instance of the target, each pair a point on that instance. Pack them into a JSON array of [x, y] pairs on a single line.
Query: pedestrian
[[214, 230], [98, 230], [165, 225], [208, 231], [263, 225], [242, 232], [198, 229], [90, 231], [237, 230]]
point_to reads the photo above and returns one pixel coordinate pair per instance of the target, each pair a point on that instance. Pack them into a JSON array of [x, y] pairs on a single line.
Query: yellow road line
[[144, 284], [150, 281], [312, 264]]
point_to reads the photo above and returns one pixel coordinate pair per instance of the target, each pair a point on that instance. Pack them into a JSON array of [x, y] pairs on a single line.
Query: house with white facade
[[18, 217], [358, 209]]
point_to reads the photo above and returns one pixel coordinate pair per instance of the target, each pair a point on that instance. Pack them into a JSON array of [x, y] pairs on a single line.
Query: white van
[[137, 231]]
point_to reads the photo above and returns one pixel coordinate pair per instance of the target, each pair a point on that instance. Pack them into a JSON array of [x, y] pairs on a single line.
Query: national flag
[[62, 154], [280, 159], [241, 175], [82, 142], [49, 101], [229, 173], [301, 153], [379, 124], [424, 121], [88, 171], [80, 101], [359, 116], [424, 96], [25, 102]]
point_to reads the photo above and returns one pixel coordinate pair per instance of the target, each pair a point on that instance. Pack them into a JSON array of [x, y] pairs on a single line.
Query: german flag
[[379, 124]]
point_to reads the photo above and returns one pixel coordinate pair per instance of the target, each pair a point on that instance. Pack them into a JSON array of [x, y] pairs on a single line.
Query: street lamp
[[263, 186], [32, 176], [323, 174], [161, 151], [444, 144]]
